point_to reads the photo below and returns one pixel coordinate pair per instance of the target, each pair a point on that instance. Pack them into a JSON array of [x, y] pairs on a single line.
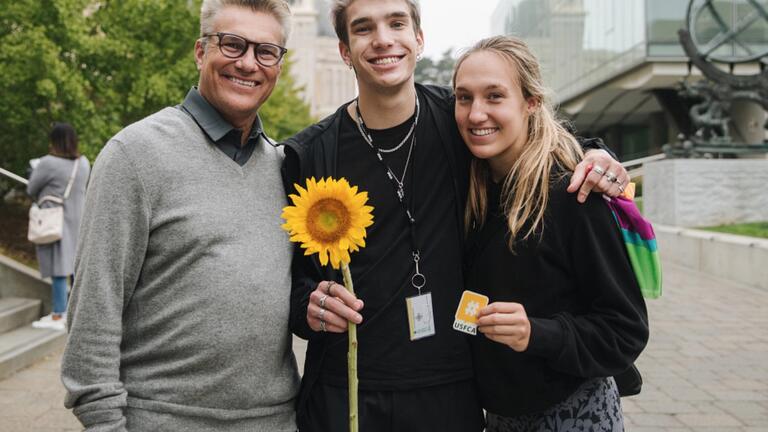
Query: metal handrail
[[638, 163], [13, 176], [643, 160]]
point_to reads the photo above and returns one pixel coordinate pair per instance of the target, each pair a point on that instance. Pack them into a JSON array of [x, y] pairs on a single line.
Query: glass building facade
[[582, 43], [615, 65]]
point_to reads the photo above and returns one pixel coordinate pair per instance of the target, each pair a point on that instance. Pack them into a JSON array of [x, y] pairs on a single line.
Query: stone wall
[[18, 280], [705, 192], [736, 258]]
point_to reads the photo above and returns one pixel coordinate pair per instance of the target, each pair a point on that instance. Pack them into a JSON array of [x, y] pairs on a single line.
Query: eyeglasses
[[234, 46]]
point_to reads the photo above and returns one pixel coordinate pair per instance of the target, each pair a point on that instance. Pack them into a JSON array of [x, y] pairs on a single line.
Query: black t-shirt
[[381, 272]]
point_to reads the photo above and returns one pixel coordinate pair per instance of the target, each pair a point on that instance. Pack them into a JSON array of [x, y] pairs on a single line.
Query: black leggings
[[594, 406]]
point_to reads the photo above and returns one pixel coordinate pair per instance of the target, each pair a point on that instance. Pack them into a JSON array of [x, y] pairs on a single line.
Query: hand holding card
[[506, 323], [466, 314]]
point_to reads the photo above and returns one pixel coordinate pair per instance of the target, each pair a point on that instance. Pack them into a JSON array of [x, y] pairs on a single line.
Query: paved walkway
[[706, 365], [705, 368]]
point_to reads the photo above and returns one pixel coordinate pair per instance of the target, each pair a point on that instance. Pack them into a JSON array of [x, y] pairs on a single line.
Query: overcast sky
[[454, 23]]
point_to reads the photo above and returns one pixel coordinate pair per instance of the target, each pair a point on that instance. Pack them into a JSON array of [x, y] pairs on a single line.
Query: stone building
[[317, 65]]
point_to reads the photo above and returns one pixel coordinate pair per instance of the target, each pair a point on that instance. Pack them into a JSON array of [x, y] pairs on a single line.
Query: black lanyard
[[418, 280]]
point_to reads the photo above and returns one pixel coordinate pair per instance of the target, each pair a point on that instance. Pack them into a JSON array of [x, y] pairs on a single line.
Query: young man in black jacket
[[399, 142]]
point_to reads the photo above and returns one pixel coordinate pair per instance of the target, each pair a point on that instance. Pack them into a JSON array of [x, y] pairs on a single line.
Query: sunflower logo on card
[[466, 313]]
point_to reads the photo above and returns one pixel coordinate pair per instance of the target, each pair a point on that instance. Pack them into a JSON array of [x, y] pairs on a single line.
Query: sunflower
[[329, 218]]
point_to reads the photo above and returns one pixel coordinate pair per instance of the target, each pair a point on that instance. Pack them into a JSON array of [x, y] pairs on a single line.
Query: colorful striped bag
[[640, 241], [644, 255]]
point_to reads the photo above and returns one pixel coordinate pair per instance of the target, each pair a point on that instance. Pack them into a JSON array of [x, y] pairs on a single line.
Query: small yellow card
[[466, 314]]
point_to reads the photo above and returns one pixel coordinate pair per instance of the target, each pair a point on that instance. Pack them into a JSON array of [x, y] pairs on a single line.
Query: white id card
[[420, 318]]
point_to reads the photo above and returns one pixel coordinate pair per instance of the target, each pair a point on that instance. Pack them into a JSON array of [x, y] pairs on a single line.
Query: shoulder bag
[[640, 241], [46, 225]]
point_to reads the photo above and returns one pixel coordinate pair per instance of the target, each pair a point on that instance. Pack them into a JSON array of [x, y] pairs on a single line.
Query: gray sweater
[[179, 315]]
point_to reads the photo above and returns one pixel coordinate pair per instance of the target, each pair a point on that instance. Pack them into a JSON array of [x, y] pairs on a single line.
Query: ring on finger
[[621, 188], [322, 326], [611, 177], [320, 315], [322, 301], [329, 286], [598, 169]]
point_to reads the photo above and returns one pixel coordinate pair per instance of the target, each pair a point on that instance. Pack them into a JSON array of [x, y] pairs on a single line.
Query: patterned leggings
[[595, 406]]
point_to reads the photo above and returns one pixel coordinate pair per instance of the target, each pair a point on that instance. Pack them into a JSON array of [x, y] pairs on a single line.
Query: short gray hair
[[277, 8]]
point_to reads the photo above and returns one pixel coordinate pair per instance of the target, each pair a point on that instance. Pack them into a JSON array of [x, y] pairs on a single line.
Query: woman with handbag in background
[[57, 185]]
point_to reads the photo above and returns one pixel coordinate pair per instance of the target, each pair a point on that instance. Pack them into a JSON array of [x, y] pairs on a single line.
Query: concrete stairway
[[20, 344]]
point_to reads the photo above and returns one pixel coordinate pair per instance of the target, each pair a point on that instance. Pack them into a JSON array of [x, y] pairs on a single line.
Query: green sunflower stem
[[351, 357]]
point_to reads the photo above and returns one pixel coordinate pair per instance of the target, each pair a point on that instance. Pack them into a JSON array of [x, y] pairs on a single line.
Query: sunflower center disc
[[328, 220]]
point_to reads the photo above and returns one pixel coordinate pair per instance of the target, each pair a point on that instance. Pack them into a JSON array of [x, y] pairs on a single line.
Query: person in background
[[566, 312], [50, 177]]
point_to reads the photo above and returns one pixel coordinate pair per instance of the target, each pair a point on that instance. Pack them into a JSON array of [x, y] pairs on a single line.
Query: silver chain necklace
[[368, 139], [418, 280], [363, 129]]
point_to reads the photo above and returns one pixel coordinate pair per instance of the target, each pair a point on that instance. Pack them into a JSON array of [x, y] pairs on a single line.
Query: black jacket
[[313, 153], [587, 314]]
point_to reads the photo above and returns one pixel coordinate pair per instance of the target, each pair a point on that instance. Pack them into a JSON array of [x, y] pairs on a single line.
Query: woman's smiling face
[[491, 111]]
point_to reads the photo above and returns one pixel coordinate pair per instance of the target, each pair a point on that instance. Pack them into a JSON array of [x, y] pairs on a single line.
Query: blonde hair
[[525, 191]]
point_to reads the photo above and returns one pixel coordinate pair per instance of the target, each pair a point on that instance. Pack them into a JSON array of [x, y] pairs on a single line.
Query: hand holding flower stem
[[329, 218]]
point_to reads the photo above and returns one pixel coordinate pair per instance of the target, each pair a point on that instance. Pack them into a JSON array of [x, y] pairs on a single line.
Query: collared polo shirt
[[225, 136]]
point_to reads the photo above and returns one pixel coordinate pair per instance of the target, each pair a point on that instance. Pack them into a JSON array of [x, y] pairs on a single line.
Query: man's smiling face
[[383, 43], [238, 87]]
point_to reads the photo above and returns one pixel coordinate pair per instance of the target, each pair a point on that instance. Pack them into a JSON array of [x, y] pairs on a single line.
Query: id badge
[[466, 314], [420, 318]]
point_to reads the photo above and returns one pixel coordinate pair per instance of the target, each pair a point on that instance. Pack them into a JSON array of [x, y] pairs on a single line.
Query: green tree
[[101, 65], [41, 80], [440, 72]]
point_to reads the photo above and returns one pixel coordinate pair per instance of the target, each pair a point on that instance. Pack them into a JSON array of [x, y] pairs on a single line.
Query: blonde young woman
[[565, 310]]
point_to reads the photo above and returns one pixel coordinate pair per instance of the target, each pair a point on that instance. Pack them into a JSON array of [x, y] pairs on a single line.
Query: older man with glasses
[[177, 318]]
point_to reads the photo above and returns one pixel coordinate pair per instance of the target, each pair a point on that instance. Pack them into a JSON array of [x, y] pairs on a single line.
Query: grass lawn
[[755, 229]]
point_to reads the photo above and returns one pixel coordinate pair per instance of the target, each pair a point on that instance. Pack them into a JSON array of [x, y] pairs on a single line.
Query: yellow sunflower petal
[[345, 256], [343, 243], [300, 190], [328, 217], [323, 255]]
